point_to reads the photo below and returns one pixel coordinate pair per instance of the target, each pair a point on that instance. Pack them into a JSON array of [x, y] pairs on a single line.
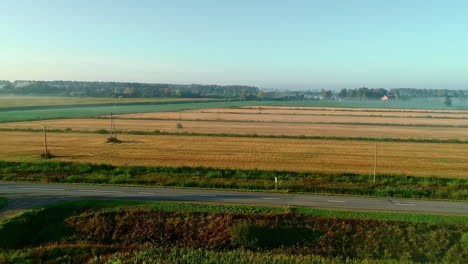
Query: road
[[65, 191]]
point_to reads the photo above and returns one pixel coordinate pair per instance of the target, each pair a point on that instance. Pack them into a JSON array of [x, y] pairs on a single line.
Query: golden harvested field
[[19, 101], [332, 130], [352, 109], [320, 111], [420, 159], [226, 114]]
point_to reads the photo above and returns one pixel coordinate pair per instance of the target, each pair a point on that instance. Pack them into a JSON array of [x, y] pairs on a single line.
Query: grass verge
[[252, 180]]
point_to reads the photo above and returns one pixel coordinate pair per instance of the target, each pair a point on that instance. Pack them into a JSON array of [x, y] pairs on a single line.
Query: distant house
[[387, 97]]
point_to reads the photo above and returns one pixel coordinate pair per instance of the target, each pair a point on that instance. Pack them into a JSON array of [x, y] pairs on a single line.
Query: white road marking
[[409, 204], [335, 201], [270, 198], [42, 189]]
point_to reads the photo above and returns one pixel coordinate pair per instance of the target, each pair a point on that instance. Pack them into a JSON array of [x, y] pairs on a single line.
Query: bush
[[113, 140], [251, 235]]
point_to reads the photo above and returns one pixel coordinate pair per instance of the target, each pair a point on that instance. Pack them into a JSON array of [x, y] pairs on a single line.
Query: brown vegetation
[[352, 109], [228, 114], [261, 128], [419, 159]]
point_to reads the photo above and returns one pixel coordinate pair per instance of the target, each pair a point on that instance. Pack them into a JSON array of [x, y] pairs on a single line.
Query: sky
[[310, 44]]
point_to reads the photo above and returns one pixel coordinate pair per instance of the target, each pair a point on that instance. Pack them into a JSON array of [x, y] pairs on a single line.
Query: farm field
[[363, 107], [341, 111], [417, 159], [21, 101], [260, 128], [98, 110], [300, 117]]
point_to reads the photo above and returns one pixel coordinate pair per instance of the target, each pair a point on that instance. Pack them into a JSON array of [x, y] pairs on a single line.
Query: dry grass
[[372, 131], [337, 111], [352, 109], [283, 116], [420, 159], [19, 101]]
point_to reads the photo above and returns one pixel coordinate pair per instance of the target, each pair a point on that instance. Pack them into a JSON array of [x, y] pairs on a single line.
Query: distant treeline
[[397, 93], [131, 90], [237, 92]]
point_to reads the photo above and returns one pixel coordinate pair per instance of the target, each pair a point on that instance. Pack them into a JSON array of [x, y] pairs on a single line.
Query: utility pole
[[112, 127], [375, 160], [46, 152]]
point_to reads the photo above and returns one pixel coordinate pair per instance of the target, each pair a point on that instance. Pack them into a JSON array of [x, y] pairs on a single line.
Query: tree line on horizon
[[127, 90], [236, 92]]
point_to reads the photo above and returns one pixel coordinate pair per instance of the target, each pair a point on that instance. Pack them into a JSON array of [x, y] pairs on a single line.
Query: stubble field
[[349, 156], [418, 159]]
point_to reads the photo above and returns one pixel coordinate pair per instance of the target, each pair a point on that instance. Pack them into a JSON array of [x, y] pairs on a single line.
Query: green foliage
[[93, 229], [252, 235], [3, 202], [35, 227], [99, 255], [253, 180], [448, 101], [133, 90], [56, 254]]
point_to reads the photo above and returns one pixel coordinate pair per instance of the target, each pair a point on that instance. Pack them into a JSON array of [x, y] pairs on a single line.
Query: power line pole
[[375, 160], [112, 127], [46, 152]]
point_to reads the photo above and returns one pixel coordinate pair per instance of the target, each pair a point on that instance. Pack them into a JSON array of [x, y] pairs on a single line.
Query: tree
[[129, 92], [448, 101], [326, 94], [343, 93]]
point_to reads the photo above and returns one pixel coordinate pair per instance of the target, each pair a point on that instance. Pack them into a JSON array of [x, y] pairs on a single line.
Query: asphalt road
[[64, 191]]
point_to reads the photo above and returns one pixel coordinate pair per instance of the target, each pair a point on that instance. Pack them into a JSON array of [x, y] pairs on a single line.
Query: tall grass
[[123, 227], [3, 202], [254, 180]]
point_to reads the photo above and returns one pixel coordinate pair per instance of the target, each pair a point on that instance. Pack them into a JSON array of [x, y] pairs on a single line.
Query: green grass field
[[26, 101], [92, 111], [121, 108]]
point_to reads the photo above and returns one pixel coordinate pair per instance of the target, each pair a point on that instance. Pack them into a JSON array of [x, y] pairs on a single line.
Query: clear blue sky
[[271, 44]]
